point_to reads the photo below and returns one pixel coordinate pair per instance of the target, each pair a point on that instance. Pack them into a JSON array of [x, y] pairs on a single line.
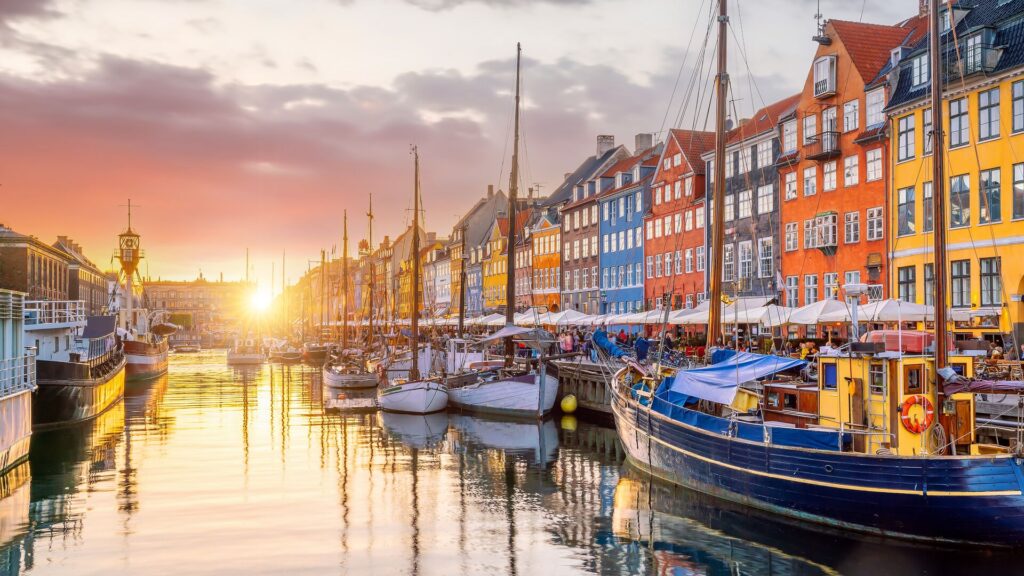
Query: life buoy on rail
[[912, 424]]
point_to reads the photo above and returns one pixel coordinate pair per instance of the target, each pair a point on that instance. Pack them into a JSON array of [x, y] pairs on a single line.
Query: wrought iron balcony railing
[[825, 145]]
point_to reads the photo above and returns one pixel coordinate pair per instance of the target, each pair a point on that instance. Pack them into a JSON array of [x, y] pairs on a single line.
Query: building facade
[[209, 312], [547, 261], [86, 282], [31, 266]]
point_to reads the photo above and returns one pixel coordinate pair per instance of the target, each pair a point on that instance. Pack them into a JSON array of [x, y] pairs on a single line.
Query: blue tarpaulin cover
[[600, 339], [718, 382]]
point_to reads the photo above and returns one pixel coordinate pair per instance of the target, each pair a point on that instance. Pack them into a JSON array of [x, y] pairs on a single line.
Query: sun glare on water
[[261, 301]]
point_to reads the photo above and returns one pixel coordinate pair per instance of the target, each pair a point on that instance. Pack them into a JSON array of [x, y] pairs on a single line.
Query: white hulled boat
[[17, 382]]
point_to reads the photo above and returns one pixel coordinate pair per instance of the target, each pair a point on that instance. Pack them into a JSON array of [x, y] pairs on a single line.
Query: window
[[678, 219], [730, 163], [688, 186], [650, 267], [826, 230], [764, 154], [699, 216], [824, 75], [657, 196], [576, 279], [638, 272], [586, 278], [906, 278], [809, 233], [650, 229], [851, 171], [746, 258], [905, 138], [677, 159], [745, 203], [677, 190], [919, 70], [1018, 191], [874, 162], [679, 261], [851, 115], [988, 114], [639, 238], [991, 282], [728, 264], [927, 207], [689, 220], [905, 211], [961, 285], [875, 103], [926, 132], [960, 201], [700, 258], [689, 260], [810, 289], [792, 291], [789, 136], [810, 181], [765, 257], [593, 244], [604, 211], [831, 282], [637, 202], [586, 217], [765, 200], [657, 228], [874, 223], [576, 220], [790, 185], [657, 266], [744, 160], [959, 128], [729, 208], [791, 236], [929, 284], [989, 207], [1017, 99], [668, 263], [829, 176], [810, 128]]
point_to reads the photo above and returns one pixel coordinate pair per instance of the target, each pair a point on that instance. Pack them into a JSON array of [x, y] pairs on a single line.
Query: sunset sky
[[255, 123]]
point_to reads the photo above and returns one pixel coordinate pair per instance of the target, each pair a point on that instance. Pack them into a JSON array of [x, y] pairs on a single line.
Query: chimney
[[643, 142], [490, 191], [605, 142], [922, 7]]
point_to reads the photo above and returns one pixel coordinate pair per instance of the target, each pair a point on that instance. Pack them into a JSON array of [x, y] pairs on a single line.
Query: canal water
[[212, 470]]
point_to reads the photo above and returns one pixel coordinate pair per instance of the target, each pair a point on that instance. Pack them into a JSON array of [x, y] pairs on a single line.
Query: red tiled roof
[[692, 144], [763, 120], [870, 45], [503, 225], [624, 165]]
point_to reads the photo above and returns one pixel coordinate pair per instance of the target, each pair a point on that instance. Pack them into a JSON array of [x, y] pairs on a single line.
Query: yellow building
[[983, 117], [495, 266]]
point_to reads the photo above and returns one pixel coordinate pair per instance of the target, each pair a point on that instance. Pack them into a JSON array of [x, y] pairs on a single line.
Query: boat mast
[[718, 193], [938, 188], [344, 284], [287, 327], [510, 280], [373, 271], [414, 371], [462, 281], [323, 293]]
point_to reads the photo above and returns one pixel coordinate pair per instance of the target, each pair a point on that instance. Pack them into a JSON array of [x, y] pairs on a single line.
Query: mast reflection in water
[[212, 470]]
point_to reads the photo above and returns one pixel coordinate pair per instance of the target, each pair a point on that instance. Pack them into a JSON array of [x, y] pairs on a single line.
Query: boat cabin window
[[773, 400], [912, 379], [959, 367], [789, 401], [829, 381], [876, 377]]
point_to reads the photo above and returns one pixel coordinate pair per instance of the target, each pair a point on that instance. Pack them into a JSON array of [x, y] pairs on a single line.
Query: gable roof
[[870, 45], [587, 170], [764, 120], [692, 144]]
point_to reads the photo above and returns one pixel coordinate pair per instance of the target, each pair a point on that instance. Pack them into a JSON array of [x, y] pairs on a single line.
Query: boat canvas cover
[[718, 382], [99, 327]]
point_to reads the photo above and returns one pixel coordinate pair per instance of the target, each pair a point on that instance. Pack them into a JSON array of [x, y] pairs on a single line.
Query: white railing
[[54, 312], [17, 374]]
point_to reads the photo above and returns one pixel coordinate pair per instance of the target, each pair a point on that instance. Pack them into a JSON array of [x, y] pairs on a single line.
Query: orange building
[[547, 261], [832, 168]]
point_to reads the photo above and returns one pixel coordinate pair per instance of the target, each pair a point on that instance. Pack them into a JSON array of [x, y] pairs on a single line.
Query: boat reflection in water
[[415, 430], [536, 440], [342, 400], [15, 495]]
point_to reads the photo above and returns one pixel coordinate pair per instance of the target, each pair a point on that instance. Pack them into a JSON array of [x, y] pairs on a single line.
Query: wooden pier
[[588, 381]]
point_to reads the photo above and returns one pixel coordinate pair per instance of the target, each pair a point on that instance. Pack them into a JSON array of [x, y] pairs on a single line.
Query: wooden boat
[[315, 354], [416, 397], [508, 392], [245, 353], [145, 360], [343, 373]]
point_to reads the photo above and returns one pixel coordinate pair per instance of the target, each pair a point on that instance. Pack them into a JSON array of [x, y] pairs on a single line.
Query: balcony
[[824, 146], [17, 374], [979, 58], [825, 77], [48, 314]]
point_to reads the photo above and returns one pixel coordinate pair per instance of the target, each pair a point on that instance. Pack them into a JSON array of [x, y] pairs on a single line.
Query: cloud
[[439, 5]]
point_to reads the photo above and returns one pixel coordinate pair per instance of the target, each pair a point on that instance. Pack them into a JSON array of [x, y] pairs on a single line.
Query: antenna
[[820, 22]]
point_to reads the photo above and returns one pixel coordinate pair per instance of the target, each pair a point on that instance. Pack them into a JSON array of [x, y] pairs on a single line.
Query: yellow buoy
[[569, 423], [569, 403]]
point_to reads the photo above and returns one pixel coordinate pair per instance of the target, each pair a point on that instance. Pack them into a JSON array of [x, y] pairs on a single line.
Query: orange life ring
[[913, 425]]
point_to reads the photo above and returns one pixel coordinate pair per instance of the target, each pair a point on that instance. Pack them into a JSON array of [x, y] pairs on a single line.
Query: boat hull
[[423, 397], [244, 359], [15, 429], [967, 500], [518, 397], [333, 379], [60, 402], [145, 361]]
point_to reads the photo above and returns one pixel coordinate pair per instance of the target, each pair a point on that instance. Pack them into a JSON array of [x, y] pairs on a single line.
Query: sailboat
[[512, 390], [345, 368], [874, 459], [415, 395]]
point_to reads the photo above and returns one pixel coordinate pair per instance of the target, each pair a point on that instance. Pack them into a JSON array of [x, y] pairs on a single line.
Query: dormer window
[[825, 76], [919, 73]]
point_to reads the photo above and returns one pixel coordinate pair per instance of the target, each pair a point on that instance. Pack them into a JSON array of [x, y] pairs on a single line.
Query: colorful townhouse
[[674, 222], [832, 171], [469, 235], [621, 229], [546, 233], [983, 124], [495, 262], [750, 257], [524, 264], [576, 200]]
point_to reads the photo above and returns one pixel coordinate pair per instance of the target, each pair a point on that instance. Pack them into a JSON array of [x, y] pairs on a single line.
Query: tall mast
[[718, 194], [323, 292], [287, 328], [373, 270], [510, 252], [344, 284], [462, 281], [414, 371], [938, 186]]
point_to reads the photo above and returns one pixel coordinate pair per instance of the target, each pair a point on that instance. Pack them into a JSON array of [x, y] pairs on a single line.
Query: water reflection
[[214, 470]]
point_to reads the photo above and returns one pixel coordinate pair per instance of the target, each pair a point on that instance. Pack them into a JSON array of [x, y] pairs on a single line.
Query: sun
[[261, 301]]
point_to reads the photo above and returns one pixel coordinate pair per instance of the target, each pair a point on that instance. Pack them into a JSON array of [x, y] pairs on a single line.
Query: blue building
[[622, 207], [474, 286]]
